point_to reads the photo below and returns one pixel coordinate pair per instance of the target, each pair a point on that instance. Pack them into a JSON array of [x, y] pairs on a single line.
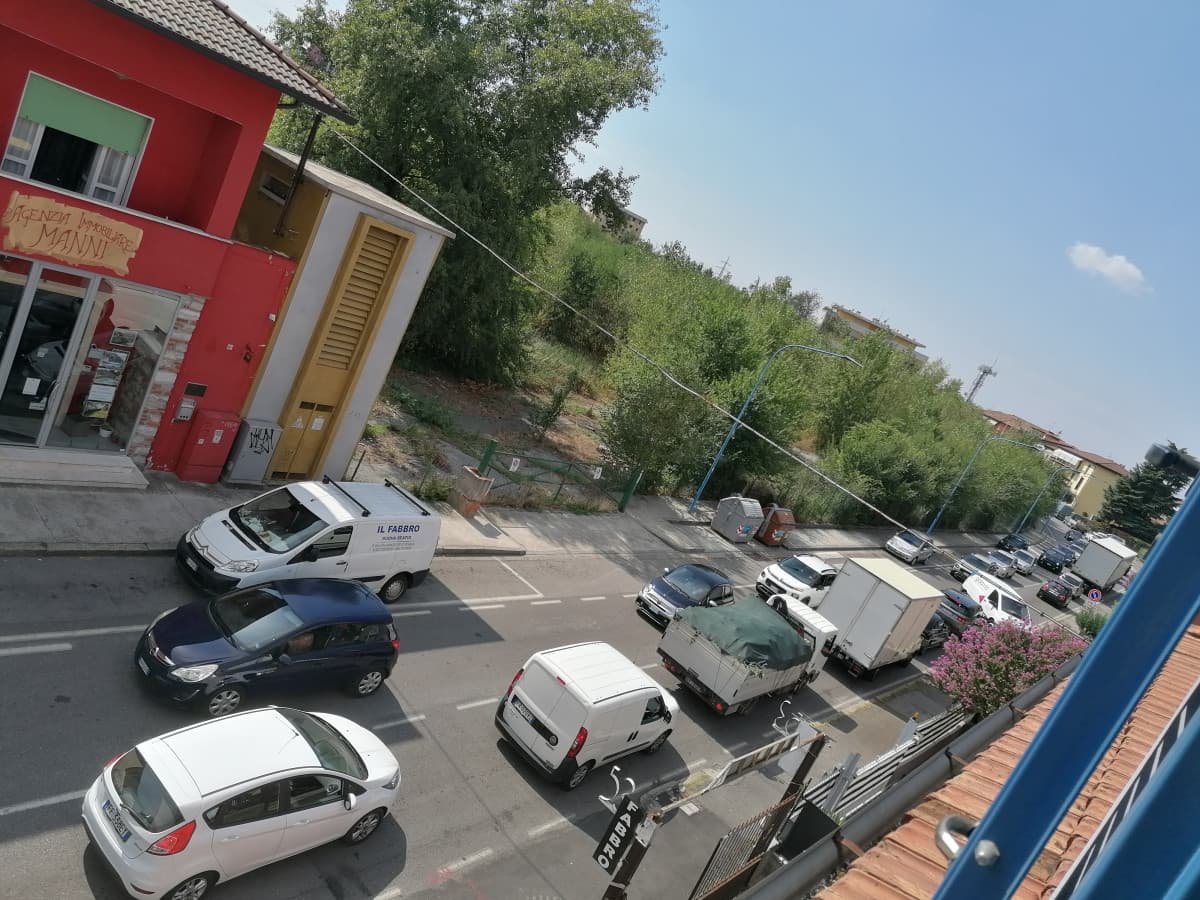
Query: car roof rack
[[417, 503], [327, 480]]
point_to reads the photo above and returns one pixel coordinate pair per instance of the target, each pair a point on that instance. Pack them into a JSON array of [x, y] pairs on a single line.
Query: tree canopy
[[1143, 501]]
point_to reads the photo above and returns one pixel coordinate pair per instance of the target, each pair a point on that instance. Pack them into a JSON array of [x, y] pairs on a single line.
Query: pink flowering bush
[[988, 666]]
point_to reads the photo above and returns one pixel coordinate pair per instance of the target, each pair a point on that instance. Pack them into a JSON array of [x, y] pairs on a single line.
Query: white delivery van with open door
[[573, 708], [378, 534]]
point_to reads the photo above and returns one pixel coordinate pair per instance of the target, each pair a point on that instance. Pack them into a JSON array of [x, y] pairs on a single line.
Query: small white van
[[378, 534], [1000, 602], [573, 708]]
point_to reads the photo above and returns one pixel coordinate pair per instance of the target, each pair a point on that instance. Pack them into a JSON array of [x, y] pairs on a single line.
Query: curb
[[137, 548]]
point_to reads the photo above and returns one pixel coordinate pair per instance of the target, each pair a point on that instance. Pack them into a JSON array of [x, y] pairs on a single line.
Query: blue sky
[[1011, 183]]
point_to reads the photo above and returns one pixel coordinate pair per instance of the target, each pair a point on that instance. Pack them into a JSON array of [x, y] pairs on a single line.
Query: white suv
[[802, 577], [212, 801]]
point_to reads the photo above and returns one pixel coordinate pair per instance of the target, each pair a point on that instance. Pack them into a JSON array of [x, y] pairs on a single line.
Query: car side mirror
[[284, 659], [666, 571], [667, 716], [350, 802]]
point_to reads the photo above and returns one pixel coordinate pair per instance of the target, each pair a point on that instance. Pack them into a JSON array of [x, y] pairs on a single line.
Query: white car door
[[247, 830], [316, 812], [325, 557]]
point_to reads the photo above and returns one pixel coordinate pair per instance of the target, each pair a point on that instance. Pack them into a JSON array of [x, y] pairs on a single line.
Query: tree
[[989, 666], [803, 303], [479, 105], [1141, 502]]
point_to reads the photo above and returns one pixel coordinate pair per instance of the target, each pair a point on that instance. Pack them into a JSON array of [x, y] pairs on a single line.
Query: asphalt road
[[472, 820]]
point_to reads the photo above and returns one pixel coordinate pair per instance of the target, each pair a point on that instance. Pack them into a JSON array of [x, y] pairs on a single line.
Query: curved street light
[[745, 406], [963, 474]]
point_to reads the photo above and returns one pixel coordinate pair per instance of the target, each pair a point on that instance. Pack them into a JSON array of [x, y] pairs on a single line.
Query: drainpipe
[[280, 228]]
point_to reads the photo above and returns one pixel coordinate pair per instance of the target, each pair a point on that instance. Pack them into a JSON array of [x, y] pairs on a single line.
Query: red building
[[127, 313]]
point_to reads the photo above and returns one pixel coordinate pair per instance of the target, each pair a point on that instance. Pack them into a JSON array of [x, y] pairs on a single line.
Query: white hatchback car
[[206, 803]]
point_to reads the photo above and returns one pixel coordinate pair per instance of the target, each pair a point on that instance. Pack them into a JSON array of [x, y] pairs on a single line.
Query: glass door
[[38, 340]]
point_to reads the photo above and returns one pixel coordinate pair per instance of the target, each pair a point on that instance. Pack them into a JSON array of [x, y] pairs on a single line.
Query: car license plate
[[117, 822], [143, 666], [522, 710], [191, 564]]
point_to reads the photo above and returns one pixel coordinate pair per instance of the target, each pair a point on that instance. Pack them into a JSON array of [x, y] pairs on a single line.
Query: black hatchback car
[[1055, 559], [305, 633], [687, 585], [1012, 542], [1055, 593]]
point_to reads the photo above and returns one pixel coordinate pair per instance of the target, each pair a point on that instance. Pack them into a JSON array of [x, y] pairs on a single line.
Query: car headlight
[[393, 782], [241, 565], [192, 674]]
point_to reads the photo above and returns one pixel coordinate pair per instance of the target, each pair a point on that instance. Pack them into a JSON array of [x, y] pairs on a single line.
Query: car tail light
[[577, 744], [174, 842], [719, 706], [512, 684], [113, 760], [395, 643]]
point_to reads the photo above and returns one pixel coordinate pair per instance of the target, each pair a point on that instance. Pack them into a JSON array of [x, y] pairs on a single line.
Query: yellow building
[[1092, 477], [860, 326]]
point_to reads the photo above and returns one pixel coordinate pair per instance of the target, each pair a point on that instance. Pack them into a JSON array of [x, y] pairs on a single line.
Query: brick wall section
[[163, 381]]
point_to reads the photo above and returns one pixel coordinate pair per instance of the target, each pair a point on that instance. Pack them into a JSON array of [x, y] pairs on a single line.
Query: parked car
[[972, 564], [1000, 603], [1073, 534], [1055, 593], [1024, 561], [1012, 542], [691, 584], [1076, 548], [1005, 563], [304, 632], [1055, 559], [936, 634], [801, 577], [1074, 582], [910, 547], [959, 611], [218, 799]]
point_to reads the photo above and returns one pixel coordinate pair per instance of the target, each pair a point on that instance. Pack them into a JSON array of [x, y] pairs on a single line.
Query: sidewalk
[[36, 520]]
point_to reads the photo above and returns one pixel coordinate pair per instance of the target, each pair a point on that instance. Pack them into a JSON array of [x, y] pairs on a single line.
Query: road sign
[[1094, 595], [619, 835]]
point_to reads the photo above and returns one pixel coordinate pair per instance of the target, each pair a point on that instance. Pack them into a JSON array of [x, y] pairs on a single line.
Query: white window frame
[[270, 194], [35, 144], [124, 183]]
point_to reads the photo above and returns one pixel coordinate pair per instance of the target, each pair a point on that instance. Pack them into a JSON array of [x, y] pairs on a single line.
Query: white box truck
[[879, 608], [731, 655], [1104, 562]]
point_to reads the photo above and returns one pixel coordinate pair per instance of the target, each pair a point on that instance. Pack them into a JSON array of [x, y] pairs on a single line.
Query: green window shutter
[[82, 115]]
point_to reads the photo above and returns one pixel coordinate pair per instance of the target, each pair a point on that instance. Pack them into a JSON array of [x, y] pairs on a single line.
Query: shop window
[[74, 141]]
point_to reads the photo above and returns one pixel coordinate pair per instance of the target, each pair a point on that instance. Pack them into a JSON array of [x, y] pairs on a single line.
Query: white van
[[378, 534], [573, 708], [1000, 602]]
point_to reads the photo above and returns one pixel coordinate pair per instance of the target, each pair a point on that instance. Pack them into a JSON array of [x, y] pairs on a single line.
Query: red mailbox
[[208, 444]]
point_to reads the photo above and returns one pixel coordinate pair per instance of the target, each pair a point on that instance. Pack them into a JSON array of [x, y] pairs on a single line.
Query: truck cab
[[813, 626]]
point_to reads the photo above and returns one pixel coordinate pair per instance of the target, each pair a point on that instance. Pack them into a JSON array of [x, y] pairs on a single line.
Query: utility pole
[[984, 372], [723, 265]]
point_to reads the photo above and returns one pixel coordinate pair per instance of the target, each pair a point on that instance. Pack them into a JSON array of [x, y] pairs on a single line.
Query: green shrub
[[373, 432], [1090, 621], [434, 489], [423, 409]]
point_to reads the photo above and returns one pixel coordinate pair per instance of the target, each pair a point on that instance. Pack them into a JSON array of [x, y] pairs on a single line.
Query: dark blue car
[[688, 585], [299, 633]]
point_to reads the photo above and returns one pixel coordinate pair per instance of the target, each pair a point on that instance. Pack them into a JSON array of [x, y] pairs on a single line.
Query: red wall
[[250, 288], [185, 92]]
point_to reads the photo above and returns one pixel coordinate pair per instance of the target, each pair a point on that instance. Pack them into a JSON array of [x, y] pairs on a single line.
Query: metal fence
[[517, 472], [738, 853]]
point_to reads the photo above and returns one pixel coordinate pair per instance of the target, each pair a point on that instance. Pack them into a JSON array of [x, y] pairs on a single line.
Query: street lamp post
[[1033, 505], [963, 474], [733, 427]]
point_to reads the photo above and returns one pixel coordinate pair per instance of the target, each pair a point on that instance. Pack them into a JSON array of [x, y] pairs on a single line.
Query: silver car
[[1073, 581], [910, 547], [1024, 561], [1005, 563]]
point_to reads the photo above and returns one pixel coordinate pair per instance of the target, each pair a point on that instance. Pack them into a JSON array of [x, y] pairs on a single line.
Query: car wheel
[[577, 777], [225, 701], [395, 588], [367, 683], [364, 827], [658, 742], [190, 889]]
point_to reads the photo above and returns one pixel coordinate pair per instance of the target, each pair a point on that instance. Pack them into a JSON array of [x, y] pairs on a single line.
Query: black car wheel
[[395, 588], [658, 742], [577, 777]]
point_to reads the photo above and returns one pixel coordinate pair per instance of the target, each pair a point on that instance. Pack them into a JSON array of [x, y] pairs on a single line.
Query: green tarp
[[751, 631]]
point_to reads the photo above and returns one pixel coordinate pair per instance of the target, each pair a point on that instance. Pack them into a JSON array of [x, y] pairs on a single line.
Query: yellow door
[[339, 345]]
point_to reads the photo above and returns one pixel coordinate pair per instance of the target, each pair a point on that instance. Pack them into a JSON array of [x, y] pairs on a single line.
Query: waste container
[[775, 526], [469, 491], [737, 518]]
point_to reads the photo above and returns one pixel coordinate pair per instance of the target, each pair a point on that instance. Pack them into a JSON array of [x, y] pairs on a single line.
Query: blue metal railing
[[1155, 852]]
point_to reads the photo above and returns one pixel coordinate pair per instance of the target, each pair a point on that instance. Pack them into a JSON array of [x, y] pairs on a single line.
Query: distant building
[[861, 326]]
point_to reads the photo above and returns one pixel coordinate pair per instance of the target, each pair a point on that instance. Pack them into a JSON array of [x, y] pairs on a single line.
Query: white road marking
[[629, 596], [407, 720], [543, 602], [413, 612], [84, 632], [650, 666], [466, 861], [474, 703], [518, 576], [45, 801], [548, 826], [36, 648], [750, 585], [484, 606], [601, 597]]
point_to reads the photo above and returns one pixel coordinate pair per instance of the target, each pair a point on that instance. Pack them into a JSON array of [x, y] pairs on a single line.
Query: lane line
[[650, 666], [407, 720], [629, 596], [474, 703], [543, 602], [83, 632], [589, 599], [549, 826], [466, 861], [484, 606], [413, 612], [518, 576], [45, 801], [36, 648]]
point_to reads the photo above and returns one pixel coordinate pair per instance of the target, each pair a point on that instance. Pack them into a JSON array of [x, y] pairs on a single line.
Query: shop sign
[[45, 227]]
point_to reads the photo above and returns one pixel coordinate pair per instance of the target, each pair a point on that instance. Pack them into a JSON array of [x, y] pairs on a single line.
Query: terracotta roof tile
[[906, 865]]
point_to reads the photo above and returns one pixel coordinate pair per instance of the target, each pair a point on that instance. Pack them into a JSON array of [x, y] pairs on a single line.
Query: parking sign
[[1094, 595]]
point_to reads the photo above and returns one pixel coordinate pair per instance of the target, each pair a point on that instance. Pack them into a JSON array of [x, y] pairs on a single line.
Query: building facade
[[839, 318]]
